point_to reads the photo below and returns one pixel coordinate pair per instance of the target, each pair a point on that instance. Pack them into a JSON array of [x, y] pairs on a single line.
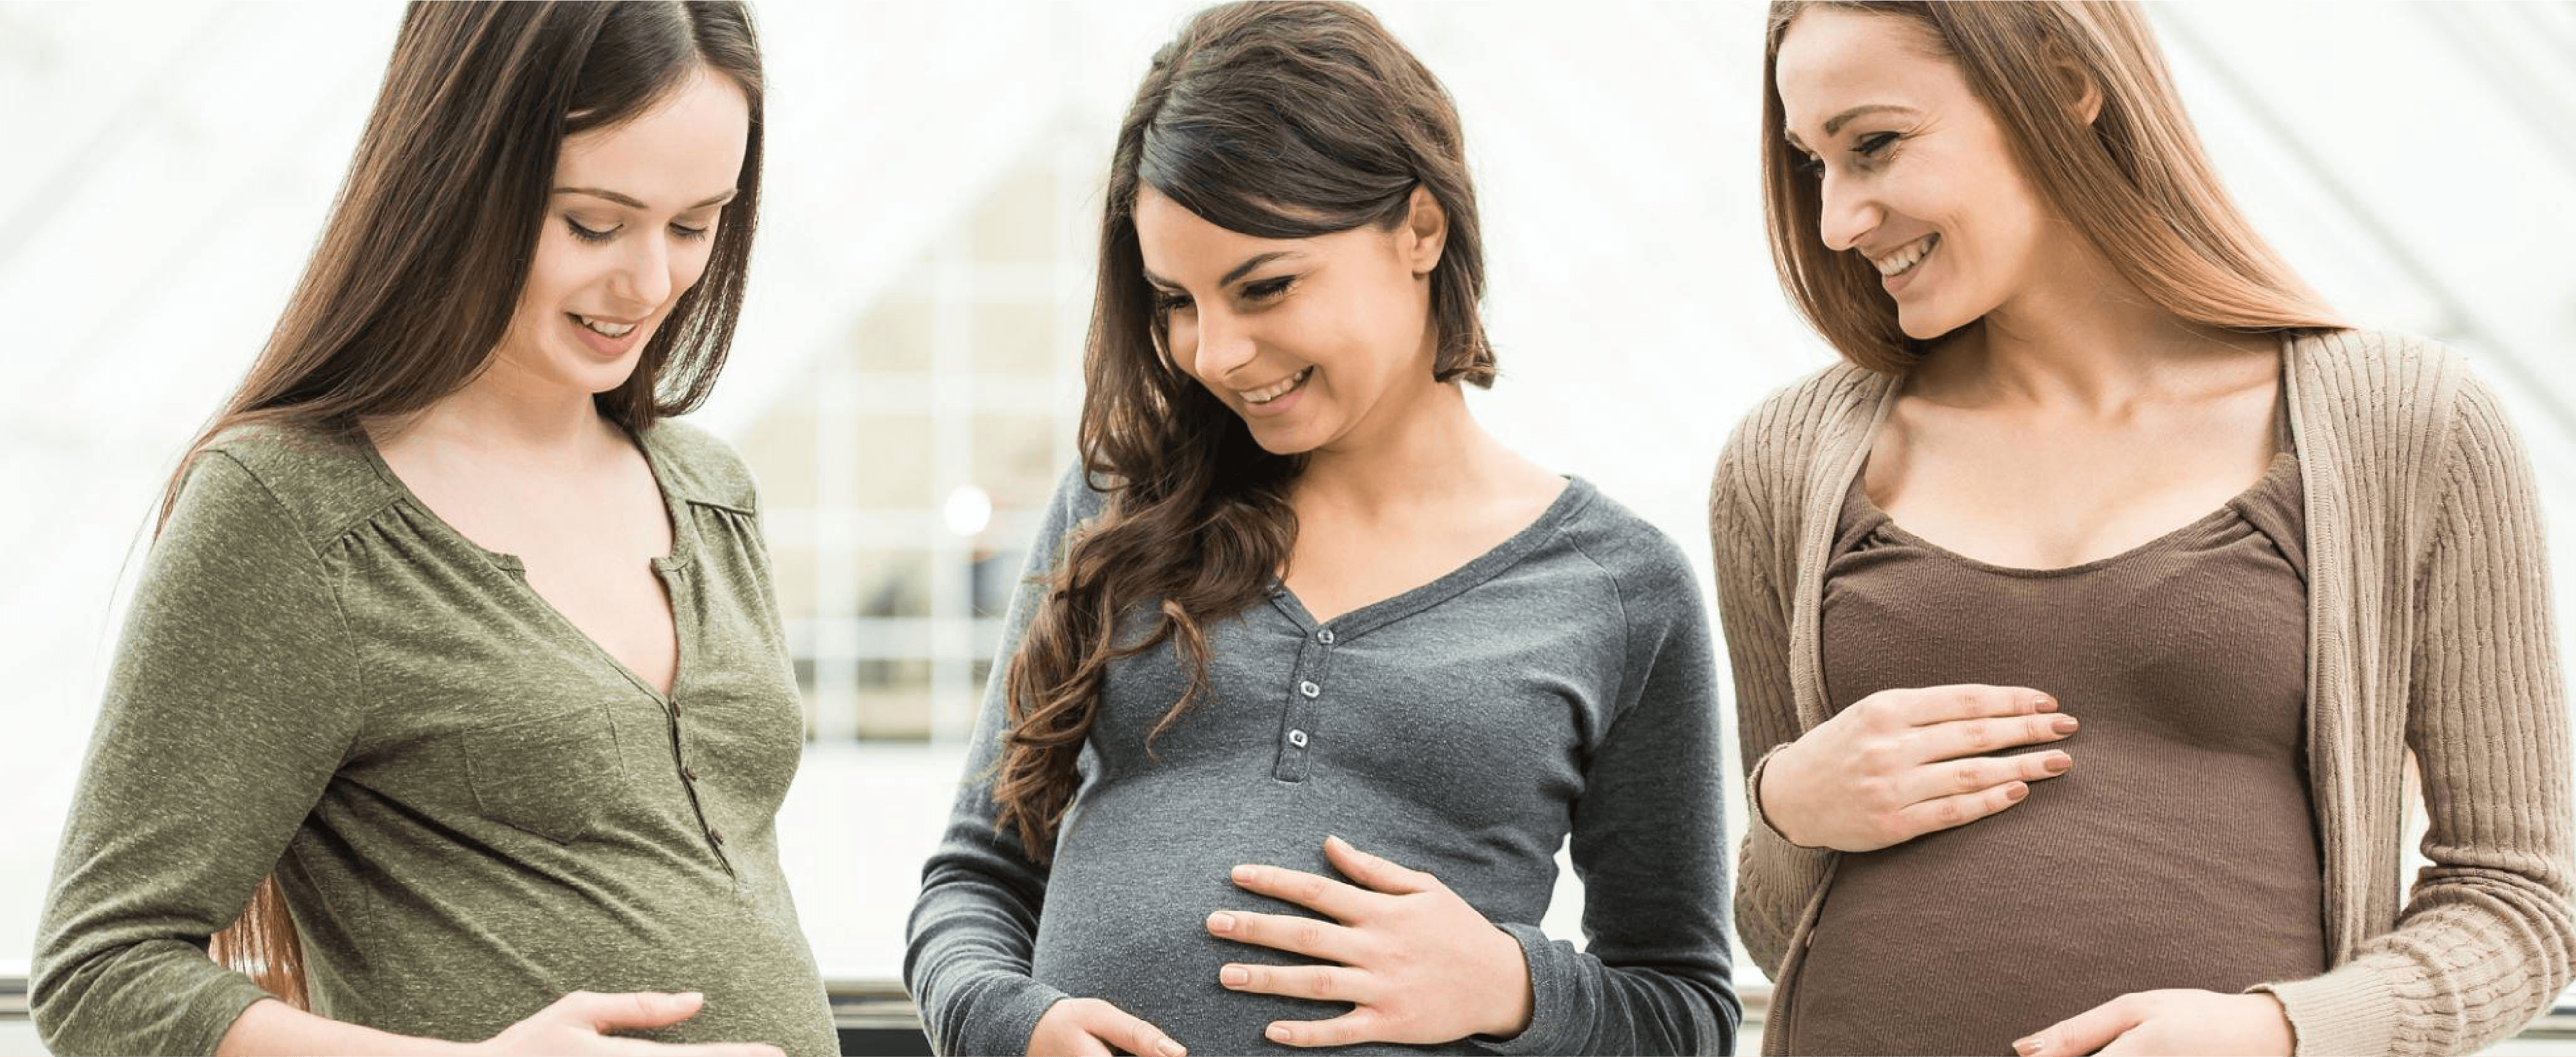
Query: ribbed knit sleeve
[[1751, 522], [2485, 940]]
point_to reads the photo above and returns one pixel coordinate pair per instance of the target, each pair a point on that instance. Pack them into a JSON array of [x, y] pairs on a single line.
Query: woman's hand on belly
[[1089, 1027], [2170, 1022], [1419, 964], [580, 1022], [1902, 763]]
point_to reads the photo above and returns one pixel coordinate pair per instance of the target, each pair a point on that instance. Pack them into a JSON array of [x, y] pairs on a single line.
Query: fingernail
[[2016, 791], [1220, 922], [691, 996], [2064, 725], [1172, 1049], [1242, 873], [1329, 841], [1277, 1033], [2026, 1047], [2057, 763], [2044, 704], [1234, 976]]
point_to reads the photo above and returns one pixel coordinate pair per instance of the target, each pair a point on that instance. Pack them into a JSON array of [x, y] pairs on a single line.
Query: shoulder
[[1654, 580], [1080, 496], [1780, 435], [700, 467], [2380, 383], [321, 480]]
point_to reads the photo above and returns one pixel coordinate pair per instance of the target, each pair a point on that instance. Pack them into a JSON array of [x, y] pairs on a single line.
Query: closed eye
[[1268, 289]]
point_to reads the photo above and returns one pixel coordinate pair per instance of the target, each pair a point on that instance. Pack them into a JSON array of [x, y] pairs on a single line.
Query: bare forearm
[[274, 1029]]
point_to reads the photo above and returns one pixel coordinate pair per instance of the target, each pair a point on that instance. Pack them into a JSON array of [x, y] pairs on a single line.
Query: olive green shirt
[[470, 807]]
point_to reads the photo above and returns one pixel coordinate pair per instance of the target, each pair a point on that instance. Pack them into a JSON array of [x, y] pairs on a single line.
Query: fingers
[[1376, 873], [1118, 1028], [1321, 983], [1349, 1029], [1977, 774], [1342, 902], [1977, 737], [630, 1009], [2087, 1031], [1943, 704], [1947, 812], [1307, 936], [642, 1048]]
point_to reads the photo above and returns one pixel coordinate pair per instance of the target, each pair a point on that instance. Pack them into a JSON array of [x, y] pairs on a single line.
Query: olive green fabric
[[471, 808]]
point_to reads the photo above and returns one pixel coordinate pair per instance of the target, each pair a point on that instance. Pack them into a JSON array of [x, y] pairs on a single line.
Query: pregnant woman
[[2101, 483], [449, 632], [1311, 677]]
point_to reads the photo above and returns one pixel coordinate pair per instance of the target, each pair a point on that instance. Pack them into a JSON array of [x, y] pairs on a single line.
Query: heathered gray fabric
[[1563, 683], [471, 808]]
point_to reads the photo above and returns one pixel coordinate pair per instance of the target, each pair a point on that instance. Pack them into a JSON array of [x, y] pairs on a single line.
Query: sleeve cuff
[[2350, 1010], [1555, 984], [1004, 1020]]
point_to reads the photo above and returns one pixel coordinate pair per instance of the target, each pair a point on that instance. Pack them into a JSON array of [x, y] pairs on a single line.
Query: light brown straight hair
[[2134, 181], [420, 265]]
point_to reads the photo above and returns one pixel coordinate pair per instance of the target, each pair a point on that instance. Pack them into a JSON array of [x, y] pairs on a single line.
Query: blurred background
[[906, 380]]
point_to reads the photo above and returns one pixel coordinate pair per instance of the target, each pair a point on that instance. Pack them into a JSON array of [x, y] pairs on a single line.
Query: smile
[[1268, 393], [603, 328], [1906, 257]]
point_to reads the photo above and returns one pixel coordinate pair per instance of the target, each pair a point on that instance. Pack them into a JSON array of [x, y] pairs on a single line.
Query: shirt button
[[1297, 738], [690, 773], [1309, 688], [1325, 636], [675, 710], [715, 836]]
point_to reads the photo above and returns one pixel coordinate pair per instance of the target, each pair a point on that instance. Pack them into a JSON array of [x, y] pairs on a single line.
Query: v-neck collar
[[667, 568], [1576, 495]]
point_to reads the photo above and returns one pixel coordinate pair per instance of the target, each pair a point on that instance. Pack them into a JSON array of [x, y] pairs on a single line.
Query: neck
[[505, 410], [1427, 450], [2085, 338]]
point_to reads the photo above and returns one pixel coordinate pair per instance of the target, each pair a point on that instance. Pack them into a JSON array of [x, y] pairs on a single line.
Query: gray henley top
[[1562, 683]]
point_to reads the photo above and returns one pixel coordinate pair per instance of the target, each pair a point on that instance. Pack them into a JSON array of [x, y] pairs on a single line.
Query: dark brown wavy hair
[[1278, 121], [2134, 181], [420, 265]]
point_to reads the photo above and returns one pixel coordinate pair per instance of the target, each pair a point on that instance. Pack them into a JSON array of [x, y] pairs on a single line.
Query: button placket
[[1305, 695]]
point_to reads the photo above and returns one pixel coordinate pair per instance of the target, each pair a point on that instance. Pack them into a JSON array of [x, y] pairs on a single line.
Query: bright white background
[[165, 168]]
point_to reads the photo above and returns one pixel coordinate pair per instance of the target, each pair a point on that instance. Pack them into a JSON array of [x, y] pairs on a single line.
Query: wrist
[[1771, 808], [1511, 998]]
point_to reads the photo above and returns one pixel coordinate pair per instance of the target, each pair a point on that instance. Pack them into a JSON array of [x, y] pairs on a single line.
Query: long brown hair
[[2134, 181], [1279, 121], [420, 265]]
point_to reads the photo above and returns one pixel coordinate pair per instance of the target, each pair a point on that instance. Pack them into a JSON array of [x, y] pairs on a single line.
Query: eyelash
[[1872, 147], [679, 231], [1262, 292]]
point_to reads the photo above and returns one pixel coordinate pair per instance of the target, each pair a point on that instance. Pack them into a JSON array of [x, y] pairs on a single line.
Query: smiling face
[[1916, 174], [628, 229], [1313, 341]]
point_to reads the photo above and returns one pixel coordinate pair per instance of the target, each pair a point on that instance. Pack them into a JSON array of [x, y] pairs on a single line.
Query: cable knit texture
[[2429, 630]]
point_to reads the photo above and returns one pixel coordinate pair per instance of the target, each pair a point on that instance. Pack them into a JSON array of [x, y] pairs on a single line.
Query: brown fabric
[[2180, 851], [2428, 632]]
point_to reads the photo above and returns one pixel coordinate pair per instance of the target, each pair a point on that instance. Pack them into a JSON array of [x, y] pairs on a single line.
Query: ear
[[2081, 90], [1426, 231]]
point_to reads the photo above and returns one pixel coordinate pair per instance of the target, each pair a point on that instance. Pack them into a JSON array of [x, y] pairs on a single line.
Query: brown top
[[2180, 851], [2428, 633]]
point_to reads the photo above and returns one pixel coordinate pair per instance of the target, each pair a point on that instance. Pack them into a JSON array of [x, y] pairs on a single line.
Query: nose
[[1224, 344], [1845, 213], [643, 275]]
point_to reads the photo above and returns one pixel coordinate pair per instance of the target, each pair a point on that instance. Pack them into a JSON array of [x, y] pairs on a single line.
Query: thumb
[[635, 1009], [1374, 872]]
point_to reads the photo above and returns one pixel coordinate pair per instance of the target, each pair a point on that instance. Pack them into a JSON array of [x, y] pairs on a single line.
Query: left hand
[[1418, 963], [2169, 1022]]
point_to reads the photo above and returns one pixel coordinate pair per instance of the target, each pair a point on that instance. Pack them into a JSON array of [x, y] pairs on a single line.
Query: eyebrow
[[1835, 123], [1239, 271], [629, 200]]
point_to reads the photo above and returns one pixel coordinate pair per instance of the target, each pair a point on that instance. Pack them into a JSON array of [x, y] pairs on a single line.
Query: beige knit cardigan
[[2428, 629]]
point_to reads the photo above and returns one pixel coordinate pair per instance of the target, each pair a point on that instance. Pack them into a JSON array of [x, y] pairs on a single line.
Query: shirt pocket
[[553, 776]]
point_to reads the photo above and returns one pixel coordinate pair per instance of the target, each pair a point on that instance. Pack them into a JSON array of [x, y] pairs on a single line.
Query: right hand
[[1902, 763], [1089, 1027], [578, 1023]]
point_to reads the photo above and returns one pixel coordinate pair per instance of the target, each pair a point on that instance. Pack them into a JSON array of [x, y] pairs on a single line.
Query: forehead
[[1185, 247], [1832, 60], [683, 149]]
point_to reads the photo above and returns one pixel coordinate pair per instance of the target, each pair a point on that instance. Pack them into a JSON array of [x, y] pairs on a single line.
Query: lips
[[602, 327], [1275, 390], [1905, 258]]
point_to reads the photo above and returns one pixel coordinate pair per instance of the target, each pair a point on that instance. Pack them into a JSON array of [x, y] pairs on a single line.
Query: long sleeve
[[2485, 940], [233, 701], [1649, 842], [974, 929], [1776, 878]]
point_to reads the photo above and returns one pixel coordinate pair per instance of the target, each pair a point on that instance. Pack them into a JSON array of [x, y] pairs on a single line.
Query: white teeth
[[611, 330], [1267, 394], [1904, 260]]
